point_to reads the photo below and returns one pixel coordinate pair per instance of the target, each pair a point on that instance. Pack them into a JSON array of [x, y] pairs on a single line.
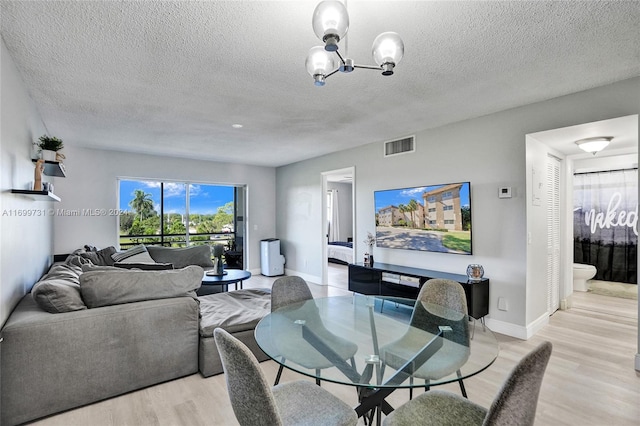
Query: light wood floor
[[590, 379]]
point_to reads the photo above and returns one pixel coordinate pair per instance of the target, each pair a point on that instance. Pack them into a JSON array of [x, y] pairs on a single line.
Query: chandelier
[[331, 23]]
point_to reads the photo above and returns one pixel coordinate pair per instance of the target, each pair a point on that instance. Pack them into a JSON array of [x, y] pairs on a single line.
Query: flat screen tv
[[429, 218]]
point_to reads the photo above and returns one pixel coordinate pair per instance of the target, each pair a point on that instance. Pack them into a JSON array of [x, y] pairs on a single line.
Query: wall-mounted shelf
[[37, 195], [53, 168]]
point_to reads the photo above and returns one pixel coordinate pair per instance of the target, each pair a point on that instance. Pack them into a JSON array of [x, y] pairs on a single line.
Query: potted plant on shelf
[[49, 146]]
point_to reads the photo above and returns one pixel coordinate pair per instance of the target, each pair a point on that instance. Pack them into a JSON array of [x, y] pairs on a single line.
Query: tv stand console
[[383, 279]]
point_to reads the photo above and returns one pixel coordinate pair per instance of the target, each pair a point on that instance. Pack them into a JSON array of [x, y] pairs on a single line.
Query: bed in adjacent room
[[340, 252]]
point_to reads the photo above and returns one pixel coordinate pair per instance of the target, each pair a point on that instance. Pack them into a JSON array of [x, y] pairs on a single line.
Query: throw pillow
[[91, 267], [113, 287], [77, 260], [100, 257], [182, 257], [136, 254], [58, 291]]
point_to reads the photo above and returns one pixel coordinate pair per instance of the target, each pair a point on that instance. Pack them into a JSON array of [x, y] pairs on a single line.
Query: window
[[431, 199], [177, 214], [432, 209], [449, 222], [447, 207], [447, 195]]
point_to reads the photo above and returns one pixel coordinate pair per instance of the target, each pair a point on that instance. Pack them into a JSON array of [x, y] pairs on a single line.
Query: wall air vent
[[400, 146]]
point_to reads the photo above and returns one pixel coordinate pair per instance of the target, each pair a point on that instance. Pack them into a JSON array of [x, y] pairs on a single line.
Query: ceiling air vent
[[399, 146]]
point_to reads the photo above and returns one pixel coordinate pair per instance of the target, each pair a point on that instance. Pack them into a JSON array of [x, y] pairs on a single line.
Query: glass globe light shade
[[388, 48], [319, 63], [330, 23]]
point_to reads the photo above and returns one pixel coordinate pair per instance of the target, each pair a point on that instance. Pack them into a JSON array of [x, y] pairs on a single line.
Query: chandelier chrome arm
[[368, 67]]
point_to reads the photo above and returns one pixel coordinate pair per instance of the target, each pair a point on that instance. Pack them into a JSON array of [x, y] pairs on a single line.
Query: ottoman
[[237, 312]]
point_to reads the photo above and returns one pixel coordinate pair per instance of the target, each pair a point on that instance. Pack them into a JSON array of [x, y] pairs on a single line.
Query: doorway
[[338, 218], [560, 143]]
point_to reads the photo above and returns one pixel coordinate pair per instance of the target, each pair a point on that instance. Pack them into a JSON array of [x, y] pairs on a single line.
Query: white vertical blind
[[553, 234]]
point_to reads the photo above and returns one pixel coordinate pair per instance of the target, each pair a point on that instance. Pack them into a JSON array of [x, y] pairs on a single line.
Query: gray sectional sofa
[[90, 330]]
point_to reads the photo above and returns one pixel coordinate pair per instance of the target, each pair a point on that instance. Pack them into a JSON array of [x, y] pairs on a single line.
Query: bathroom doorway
[[622, 152]]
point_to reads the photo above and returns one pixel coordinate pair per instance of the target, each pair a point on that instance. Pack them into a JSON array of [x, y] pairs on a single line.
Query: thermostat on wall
[[504, 192]]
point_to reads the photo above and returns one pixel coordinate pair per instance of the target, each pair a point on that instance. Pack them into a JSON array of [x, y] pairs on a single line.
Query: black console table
[[383, 279]]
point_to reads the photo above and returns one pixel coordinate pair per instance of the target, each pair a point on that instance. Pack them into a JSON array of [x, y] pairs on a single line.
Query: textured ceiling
[[171, 78]]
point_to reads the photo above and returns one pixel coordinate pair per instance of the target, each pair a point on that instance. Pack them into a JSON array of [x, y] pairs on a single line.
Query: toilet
[[582, 273]]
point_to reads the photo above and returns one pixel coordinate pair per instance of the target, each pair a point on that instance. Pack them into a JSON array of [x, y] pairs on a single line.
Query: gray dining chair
[[515, 403], [440, 302], [289, 291], [255, 403]]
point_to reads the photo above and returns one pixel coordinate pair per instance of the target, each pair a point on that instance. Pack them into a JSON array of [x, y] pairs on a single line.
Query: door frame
[[323, 222]]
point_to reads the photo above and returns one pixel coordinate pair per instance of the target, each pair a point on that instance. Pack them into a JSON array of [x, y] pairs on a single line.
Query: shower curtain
[[605, 223]]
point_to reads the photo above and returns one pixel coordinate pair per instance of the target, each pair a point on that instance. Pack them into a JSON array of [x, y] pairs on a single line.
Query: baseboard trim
[[537, 325], [307, 277], [518, 331], [507, 328]]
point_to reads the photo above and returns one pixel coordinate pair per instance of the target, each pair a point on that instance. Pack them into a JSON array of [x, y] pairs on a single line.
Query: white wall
[[599, 163], [537, 157], [489, 152], [25, 241], [92, 184]]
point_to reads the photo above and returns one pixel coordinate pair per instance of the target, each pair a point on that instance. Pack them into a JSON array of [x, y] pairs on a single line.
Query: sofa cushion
[[112, 287], [136, 254], [59, 290], [181, 257], [233, 311], [100, 257], [144, 266]]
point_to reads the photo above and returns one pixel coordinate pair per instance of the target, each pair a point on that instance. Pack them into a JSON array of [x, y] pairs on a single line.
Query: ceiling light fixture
[[594, 145], [330, 23]]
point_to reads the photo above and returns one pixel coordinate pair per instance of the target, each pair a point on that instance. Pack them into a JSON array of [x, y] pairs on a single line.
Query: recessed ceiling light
[[237, 126]]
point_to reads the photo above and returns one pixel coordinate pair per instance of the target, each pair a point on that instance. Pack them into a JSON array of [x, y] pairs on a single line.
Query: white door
[[553, 234]]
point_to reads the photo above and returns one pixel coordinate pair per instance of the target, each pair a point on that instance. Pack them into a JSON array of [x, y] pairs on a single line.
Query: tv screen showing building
[[429, 218]]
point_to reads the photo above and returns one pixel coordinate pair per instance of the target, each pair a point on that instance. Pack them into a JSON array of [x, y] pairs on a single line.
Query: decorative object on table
[[49, 147], [218, 269], [475, 272], [37, 175], [369, 241]]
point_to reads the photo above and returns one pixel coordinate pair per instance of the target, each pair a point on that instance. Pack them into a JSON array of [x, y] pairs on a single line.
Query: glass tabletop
[[376, 341]]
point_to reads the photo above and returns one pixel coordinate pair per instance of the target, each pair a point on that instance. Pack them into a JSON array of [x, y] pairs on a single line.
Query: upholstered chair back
[[446, 293], [251, 396], [288, 290], [517, 400]]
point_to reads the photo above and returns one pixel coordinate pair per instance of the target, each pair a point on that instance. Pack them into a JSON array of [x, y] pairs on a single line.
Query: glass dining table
[[376, 344]]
